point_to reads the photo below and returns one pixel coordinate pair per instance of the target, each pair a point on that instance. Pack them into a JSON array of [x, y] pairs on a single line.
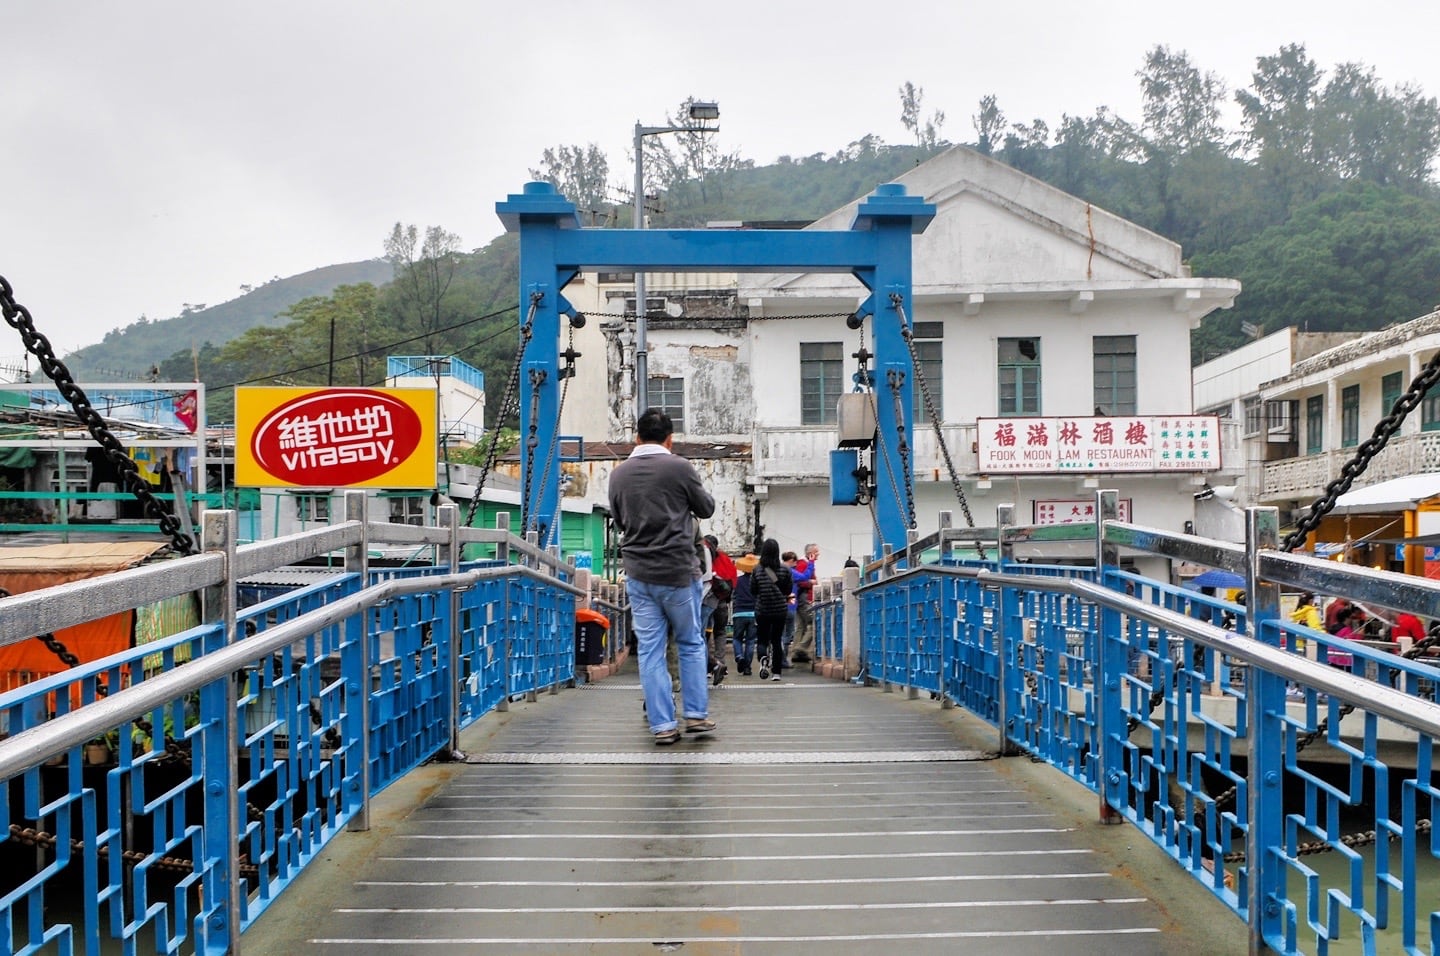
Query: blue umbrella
[[1215, 578]]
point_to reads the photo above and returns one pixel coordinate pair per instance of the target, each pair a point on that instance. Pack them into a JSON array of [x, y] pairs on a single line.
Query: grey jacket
[[652, 500]]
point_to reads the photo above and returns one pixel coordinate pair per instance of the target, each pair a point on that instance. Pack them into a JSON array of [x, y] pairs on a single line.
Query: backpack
[[721, 588]]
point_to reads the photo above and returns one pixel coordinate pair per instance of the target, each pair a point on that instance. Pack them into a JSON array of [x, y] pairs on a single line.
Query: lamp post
[[700, 114]]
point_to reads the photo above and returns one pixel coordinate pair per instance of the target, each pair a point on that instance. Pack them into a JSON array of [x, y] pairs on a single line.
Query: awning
[[1397, 494], [1419, 541]]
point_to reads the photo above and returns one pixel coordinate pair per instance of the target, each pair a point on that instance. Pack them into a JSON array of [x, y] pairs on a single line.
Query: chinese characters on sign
[[333, 436], [336, 438], [1073, 510], [1161, 443]]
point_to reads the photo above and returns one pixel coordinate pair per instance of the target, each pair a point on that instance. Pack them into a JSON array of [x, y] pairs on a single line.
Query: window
[[407, 509], [668, 395], [1350, 416], [1019, 374], [821, 375], [929, 349], [1430, 412], [1114, 374], [312, 507], [1390, 388], [1254, 415], [1314, 424]]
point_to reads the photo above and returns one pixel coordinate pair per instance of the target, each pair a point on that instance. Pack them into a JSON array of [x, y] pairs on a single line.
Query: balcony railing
[[1307, 476], [803, 452]]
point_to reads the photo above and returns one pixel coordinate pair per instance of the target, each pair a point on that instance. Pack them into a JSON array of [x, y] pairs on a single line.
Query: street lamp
[[700, 115]]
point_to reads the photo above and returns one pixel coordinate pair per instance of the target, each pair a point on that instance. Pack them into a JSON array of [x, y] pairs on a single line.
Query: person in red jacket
[[1407, 625], [715, 606]]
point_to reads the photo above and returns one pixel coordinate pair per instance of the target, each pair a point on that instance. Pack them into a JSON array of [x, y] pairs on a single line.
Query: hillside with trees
[[1322, 202]]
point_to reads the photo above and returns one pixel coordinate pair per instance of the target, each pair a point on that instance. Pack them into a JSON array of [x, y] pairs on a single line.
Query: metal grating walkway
[[820, 814]]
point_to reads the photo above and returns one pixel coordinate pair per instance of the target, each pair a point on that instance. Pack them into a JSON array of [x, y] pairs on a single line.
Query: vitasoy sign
[[335, 437]]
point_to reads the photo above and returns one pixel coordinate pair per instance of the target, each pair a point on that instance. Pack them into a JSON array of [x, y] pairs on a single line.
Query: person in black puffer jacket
[[772, 585]]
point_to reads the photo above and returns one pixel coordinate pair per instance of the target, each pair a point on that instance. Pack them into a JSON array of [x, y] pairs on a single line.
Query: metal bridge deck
[[820, 814]]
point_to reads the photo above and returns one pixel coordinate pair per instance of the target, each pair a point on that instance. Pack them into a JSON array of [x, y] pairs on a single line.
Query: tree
[[989, 124], [1360, 257], [1367, 132], [1181, 105], [925, 131], [689, 160], [579, 173], [423, 273], [1278, 118]]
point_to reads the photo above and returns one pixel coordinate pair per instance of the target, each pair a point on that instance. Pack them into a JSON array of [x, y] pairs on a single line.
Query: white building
[[1029, 304], [1229, 387]]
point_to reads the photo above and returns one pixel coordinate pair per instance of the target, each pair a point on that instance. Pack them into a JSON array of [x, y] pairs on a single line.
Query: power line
[[379, 348]]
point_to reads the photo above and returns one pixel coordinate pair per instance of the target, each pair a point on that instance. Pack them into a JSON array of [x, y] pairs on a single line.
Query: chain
[[52, 643], [38, 345], [532, 441], [1368, 449], [930, 409], [896, 380], [1352, 840], [29, 836], [508, 401]]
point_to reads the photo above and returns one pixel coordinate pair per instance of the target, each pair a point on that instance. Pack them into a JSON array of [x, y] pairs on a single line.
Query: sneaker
[[775, 677], [665, 737], [699, 725], [718, 675]]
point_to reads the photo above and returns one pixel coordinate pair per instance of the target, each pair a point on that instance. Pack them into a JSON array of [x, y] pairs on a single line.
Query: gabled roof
[[1005, 233]]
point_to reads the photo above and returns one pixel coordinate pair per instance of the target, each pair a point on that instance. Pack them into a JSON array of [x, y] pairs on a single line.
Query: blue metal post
[[1262, 889], [221, 905], [1110, 669], [891, 216], [540, 213]]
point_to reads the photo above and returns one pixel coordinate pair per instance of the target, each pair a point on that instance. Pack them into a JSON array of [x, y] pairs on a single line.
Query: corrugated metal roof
[[291, 577], [90, 556]]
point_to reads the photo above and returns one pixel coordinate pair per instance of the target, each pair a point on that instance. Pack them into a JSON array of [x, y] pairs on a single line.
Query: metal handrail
[[1382, 699], [37, 744]]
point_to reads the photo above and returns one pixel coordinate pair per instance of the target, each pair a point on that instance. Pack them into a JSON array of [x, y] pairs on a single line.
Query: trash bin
[[590, 629]]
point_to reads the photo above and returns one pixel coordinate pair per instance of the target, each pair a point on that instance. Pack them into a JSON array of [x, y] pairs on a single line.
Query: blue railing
[[1298, 793], [240, 748], [226, 757]]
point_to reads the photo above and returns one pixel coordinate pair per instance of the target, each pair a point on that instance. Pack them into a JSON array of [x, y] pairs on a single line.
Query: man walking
[[655, 497], [804, 647]]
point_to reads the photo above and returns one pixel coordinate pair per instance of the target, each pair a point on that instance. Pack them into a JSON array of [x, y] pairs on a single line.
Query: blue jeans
[[744, 639], [656, 612]]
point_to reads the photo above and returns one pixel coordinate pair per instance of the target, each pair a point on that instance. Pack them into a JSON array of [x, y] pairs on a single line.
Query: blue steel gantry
[[876, 249]]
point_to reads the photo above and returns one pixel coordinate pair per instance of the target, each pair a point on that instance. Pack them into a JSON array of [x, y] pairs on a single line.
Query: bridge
[[993, 754]]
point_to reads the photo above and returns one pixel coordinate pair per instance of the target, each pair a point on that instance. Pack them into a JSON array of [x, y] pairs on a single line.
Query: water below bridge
[[820, 814]]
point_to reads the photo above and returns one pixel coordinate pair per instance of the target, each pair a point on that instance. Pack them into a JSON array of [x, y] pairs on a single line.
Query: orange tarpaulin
[[30, 569]]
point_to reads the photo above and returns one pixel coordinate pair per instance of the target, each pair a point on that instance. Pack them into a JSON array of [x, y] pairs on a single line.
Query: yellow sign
[[347, 437]]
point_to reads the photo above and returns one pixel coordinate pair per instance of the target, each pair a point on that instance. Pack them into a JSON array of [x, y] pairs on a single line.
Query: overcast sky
[[161, 153]]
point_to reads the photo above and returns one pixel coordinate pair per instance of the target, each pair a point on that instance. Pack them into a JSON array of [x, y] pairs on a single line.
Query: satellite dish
[[674, 309]]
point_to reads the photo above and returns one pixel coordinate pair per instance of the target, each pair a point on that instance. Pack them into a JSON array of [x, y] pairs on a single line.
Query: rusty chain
[[1354, 841], [896, 380], [509, 402], [36, 344], [29, 836]]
